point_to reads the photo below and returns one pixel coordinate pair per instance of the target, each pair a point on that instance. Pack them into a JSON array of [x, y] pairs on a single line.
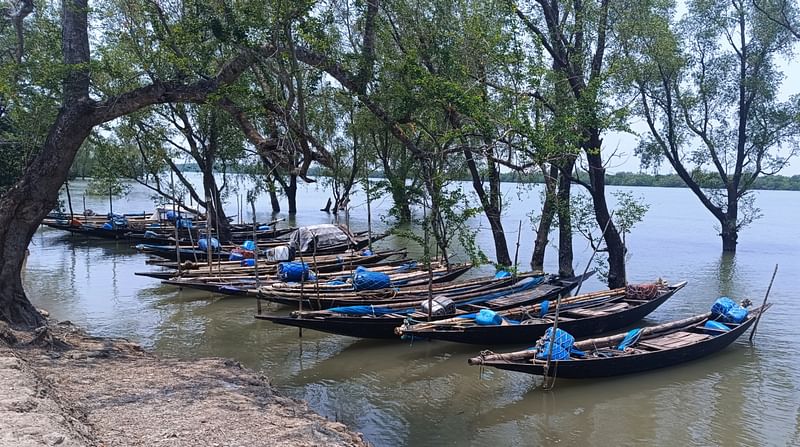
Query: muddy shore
[[66, 388]]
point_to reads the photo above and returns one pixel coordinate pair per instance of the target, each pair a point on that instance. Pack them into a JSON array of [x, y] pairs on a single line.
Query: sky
[[625, 143]]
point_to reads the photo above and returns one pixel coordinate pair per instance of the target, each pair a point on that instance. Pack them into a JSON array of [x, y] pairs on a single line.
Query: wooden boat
[[659, 346], [325, 264], [581, 315], [360, 241], [380, 321], [325, 299], [248, 286]]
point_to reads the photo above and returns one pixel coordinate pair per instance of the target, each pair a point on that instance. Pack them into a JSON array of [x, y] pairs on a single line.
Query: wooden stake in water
[[369, 211], [177, 239], [516, 253], [255, 264], [546, 369], [69, 201], [758, 318]]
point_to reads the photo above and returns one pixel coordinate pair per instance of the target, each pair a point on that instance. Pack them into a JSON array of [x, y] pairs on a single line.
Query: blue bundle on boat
[[502, 274], [562, 345], [488, 317], [407, 266], [203, 244], [248, 262], [172, 216], [108, 226], [249, 245], [263, 228], [184, 223], [726, 310], [293, 271], [364, 279], [235, 256], [716, 326]]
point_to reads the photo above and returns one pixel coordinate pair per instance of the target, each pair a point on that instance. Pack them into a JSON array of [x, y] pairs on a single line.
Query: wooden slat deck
[[674, 340]]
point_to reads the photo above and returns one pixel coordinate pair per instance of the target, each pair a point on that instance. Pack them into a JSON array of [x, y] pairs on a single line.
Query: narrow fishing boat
[[406, 273], [634, 351], [319, 299], [370, 321], [581, 315]]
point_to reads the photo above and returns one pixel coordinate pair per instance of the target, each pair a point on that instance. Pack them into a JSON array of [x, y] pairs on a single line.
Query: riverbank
[[67, 388]]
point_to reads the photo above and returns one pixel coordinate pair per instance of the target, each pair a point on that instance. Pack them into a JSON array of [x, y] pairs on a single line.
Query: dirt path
[[103, 392]]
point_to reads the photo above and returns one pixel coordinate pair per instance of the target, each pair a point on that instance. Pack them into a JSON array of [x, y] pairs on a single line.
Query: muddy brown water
[[398, 393]]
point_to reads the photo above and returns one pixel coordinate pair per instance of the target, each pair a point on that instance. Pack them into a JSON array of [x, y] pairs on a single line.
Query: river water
[[424, 393]]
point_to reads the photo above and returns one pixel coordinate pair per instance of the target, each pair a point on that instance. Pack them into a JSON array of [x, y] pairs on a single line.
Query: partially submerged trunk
[[291, 193], [546, 221], [219, 220], [612, 238], [565, 256]]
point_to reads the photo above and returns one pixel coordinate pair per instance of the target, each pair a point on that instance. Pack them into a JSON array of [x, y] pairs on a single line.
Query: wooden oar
[[755, 325]]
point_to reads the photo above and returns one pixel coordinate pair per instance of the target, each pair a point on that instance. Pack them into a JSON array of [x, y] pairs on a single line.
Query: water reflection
[[424, 393]]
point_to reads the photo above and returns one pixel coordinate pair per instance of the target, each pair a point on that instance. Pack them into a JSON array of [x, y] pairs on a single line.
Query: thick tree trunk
[[729, 234], [24, 206], [546, 221], [616, 249], [400, 206], [491, 206], [275, 204], [565, 256], [291, 194], [219, 220]]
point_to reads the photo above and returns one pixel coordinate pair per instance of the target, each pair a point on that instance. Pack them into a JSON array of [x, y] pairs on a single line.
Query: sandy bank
[[103, 392]]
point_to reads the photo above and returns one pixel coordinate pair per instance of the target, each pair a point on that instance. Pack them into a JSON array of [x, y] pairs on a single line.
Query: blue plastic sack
[[249, 245], [293, 271], [726, 310], [366, 252], [736, 315], [150, 234], [250, 262], [203, 244], [502, 274], [235, 256], [364, 279], [716, 325], [559, 353], [488, 317], [184, 223], [172, 216], [108, 226], [263, 227], [562, 346], [722, 305]]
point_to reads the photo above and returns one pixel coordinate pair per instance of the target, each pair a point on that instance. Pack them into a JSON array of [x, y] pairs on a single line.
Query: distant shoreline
[[766, 183]]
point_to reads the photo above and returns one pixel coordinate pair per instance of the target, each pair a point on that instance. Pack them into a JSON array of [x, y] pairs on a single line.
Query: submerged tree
[[710, 99]]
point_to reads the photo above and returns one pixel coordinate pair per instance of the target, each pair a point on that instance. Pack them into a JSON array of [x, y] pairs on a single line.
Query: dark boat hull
[[614, 366], [529, 333], [383, 327]]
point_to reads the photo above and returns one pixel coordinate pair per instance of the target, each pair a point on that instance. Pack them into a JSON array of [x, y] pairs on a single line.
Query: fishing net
[[642, 291], [364, 279], [562, 345]]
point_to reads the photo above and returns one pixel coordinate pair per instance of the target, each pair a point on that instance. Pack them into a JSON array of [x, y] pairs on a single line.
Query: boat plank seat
[[598, 311], [675, 340]]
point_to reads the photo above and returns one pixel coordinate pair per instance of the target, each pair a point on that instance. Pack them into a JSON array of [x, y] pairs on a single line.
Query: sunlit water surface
[[397, 393]]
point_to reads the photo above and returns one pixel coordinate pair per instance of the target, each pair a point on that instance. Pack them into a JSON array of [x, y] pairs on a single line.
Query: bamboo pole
[[177, 239], [758, 318], [516, 253], [255, 264], [550, 386]]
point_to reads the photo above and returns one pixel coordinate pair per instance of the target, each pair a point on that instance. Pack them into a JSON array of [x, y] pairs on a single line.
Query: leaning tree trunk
[[546, 221], [615, 247], [400, 205], [23, 207], [219, 220]]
